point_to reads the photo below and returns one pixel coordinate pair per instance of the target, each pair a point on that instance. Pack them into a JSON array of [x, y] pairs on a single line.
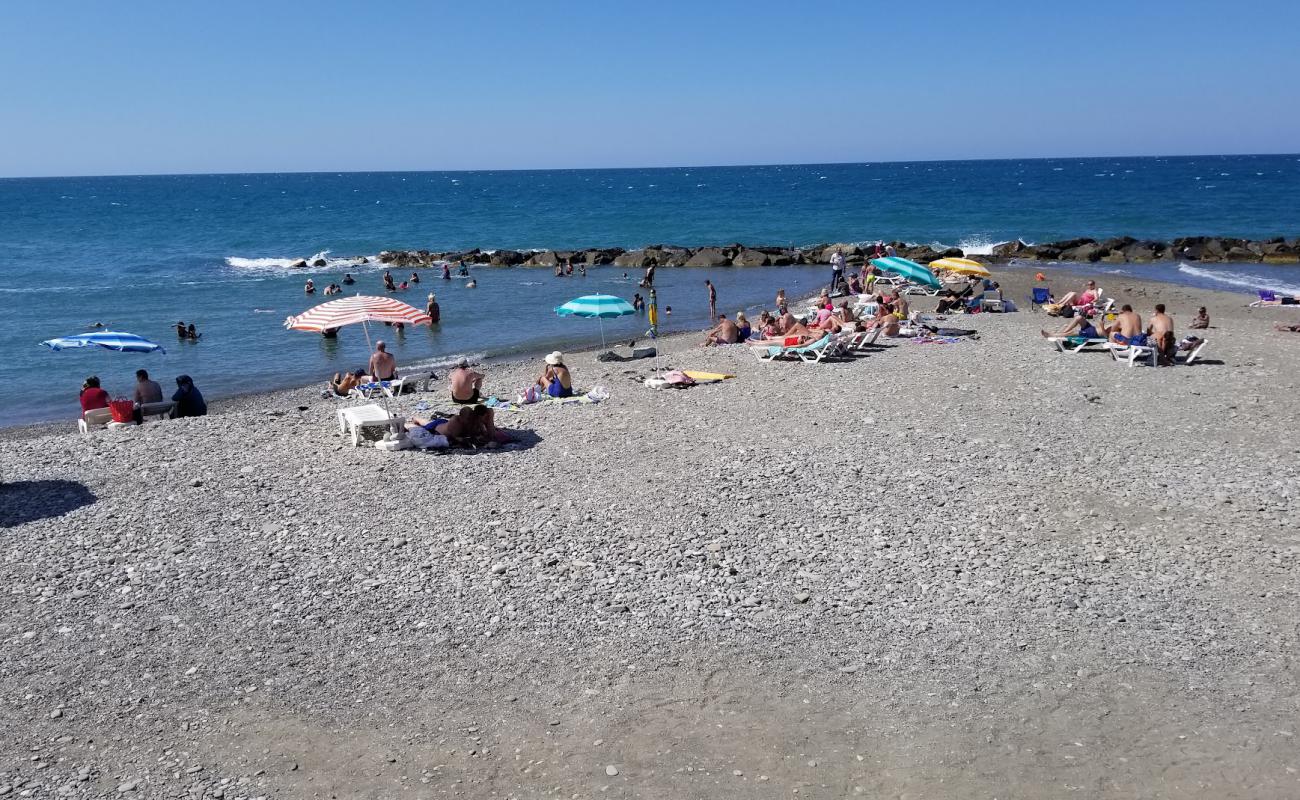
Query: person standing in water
[[433, 310], [446, 270], [713, 299]]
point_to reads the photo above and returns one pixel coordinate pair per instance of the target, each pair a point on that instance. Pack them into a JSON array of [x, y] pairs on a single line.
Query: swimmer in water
[[473, 284], [309, 287], [348, 280], [415, 277], [180, 329], [191, 333]]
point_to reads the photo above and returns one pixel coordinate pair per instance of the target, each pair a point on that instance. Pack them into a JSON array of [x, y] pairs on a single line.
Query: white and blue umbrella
[[914, 272], [108, 340], [600, 306]]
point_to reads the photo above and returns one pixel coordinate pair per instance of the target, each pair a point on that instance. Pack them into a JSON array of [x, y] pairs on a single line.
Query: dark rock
[[1009, 250], [1046, 252], [546, 258], [751, 258], [783, 259], [363, 260], [666, 256], [299, 264], [507, 258], [922, 254], [708, 257], [1118, 242], [1070, 244], [320, 262], [1084, 253], [1144, 251], [1242, 254], [634, 258]]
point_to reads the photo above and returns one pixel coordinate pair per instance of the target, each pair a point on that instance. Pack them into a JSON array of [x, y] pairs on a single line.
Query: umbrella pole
[[601, 322]]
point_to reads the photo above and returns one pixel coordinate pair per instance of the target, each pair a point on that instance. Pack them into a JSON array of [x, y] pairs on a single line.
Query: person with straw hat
[[556, 380]]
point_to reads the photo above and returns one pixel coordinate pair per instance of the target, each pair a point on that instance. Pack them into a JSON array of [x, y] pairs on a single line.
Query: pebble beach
[[972, 569]]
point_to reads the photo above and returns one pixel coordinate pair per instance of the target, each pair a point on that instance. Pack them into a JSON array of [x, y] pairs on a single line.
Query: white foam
[[276, 264], [1244, 279]]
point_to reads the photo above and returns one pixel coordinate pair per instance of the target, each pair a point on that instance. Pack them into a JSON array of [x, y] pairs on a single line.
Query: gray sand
[[982, 569]]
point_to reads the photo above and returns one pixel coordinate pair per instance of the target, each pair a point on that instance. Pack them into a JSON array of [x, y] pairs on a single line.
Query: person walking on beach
[[383, 367], [713, 300], [837, 270]]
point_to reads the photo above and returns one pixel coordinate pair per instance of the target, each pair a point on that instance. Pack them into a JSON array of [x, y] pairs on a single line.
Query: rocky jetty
[[1116, 250]]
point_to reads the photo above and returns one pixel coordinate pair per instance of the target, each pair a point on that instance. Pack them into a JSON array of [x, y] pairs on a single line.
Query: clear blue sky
[[141, 86]]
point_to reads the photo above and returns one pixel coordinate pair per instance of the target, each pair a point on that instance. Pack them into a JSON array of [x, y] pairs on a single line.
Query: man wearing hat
[[465, 383]]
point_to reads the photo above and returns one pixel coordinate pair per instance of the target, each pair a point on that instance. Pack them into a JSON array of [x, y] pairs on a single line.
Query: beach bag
[[122, 409], [529, 396]]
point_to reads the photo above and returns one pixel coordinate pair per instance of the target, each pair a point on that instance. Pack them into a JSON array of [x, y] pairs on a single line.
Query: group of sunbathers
[[1127, 329], [892, 308]]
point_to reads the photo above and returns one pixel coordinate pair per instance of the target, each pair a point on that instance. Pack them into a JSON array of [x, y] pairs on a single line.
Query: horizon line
[[607, 169]]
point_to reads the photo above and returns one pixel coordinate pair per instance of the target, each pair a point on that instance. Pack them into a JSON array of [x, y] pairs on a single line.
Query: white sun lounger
[[354, 420], [1132, 353]]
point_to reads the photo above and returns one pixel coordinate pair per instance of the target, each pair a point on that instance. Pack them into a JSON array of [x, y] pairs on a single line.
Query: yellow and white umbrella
[[961, 266]]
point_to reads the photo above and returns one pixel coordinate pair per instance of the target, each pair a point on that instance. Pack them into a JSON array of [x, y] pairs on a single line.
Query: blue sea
[[140, 253]]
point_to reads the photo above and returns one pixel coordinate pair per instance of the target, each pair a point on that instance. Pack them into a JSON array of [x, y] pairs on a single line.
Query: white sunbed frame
[[1064, 344]]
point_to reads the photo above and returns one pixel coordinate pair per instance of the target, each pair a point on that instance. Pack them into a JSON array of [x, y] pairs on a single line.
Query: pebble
[[611, 770]]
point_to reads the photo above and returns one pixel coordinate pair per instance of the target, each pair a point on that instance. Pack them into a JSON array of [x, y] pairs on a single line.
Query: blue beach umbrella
[[600, 306], [914, 272], [108, 340]]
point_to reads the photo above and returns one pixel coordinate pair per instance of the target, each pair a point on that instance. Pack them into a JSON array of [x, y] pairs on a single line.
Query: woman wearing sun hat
[[555, 380]]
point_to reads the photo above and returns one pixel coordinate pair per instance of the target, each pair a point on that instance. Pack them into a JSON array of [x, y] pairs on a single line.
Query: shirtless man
[[725, 332], [465, 383], [1127, 328], [1160, 335], [383, 367]]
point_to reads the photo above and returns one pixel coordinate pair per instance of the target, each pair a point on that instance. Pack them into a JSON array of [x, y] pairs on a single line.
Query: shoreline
[[1016, 283]]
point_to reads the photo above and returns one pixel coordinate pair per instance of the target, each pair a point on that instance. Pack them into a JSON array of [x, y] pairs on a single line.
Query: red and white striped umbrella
[[349, 310]]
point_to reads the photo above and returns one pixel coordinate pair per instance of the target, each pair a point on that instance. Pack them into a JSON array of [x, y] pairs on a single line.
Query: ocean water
[[140, 253]]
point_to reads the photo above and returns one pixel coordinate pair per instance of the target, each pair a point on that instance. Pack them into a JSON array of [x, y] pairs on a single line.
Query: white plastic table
[[354, 420]]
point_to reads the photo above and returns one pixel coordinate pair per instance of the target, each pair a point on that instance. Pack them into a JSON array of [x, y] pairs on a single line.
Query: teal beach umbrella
[[600, 306], [914, 272]]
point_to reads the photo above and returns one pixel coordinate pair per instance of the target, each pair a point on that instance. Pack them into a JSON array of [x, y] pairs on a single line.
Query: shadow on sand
[[28, 501]]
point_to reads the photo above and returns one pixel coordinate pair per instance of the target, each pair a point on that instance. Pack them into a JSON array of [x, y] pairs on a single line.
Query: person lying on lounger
[[1080, 326], [1279, 300]]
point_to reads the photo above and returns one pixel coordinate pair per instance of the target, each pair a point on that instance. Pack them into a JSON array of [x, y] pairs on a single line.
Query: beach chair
[[1186, 357], [1039, 296], [355, 420], [1131, 354], [771, 352], [95, 418], [822, 348], [1265, 296], [1074, 344], [160, 410], [395, 387]]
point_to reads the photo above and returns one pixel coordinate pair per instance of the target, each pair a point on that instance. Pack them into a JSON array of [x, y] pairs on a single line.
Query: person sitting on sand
[[1202, 320], [342, 384], [465, 383], [846, 314], [1127, 328], [309, 287], [188, 399], [348, 280], [767, 326], [1160, 335], [93, 395], [725, 332], [743, 329], [556, 380], [1080, 326], [383, 367]]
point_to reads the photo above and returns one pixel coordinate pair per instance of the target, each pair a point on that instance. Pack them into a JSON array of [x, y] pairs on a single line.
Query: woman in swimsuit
[[556, 379]]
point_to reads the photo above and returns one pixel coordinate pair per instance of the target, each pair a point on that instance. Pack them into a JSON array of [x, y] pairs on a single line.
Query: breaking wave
[[277, 264], [1243, 279]]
